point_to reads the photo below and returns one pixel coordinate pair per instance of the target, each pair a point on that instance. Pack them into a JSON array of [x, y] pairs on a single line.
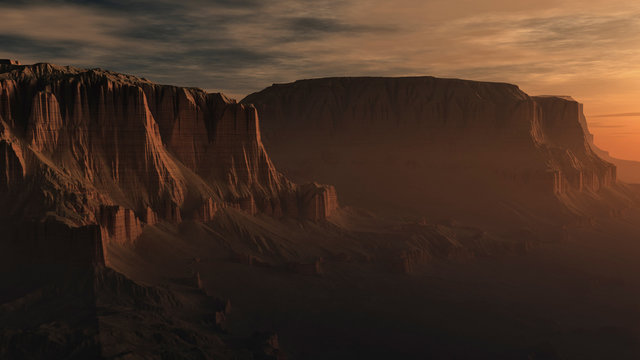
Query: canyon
[[342, 218]]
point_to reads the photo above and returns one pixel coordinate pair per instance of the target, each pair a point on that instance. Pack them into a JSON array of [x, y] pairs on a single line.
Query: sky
[[589, 49]]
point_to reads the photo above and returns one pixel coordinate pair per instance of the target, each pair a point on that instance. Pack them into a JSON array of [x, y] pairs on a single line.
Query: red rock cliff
[[97, 147]]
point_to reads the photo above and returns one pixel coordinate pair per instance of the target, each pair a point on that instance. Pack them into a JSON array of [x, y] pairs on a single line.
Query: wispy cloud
[[631, 114], [240, 46], [606, 126], [232, 45]]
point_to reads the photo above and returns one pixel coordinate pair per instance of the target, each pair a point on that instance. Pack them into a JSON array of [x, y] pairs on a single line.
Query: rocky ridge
[[94, 147]]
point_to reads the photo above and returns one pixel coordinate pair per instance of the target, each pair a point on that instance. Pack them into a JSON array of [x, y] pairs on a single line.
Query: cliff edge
[[94, 147], [420, 145]]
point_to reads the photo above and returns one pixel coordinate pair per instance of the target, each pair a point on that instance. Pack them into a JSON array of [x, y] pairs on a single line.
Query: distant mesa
[[444, 147]]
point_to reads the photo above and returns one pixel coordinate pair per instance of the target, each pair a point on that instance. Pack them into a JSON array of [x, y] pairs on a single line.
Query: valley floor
[[572, 299]]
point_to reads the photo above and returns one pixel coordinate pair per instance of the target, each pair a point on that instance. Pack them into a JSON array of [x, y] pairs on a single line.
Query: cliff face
[[428, 144], [626, 170], [566, 137], [96, 147]]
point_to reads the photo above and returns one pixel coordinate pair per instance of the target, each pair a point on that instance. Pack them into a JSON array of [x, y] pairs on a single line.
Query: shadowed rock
[[424, 145]]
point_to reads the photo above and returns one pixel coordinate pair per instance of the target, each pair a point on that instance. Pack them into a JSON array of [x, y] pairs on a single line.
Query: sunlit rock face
[[95, 147], [564, 132], [429, 145]]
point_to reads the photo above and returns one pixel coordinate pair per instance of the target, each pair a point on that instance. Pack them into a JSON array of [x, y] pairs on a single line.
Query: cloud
[[140, 6], [220, 44], [240, 46], [556, 45], [306, 25], [37, 49], [631, 114], [607, 126]]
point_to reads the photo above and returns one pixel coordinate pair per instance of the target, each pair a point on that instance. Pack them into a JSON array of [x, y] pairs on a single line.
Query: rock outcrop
[[423, 143], [564, 134], [626, 170], [119, 224], [93, 147], [12, 169], [94, 312], [319, 201], [207, 210]]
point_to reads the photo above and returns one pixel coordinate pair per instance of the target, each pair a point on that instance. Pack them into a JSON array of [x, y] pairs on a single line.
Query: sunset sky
[[589, 49]]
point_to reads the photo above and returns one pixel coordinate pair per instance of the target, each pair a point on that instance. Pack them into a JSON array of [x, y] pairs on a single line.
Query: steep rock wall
[[119, 225], [626, 170], [442, 147], [117, 140], [563, 125], [12, 166]]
